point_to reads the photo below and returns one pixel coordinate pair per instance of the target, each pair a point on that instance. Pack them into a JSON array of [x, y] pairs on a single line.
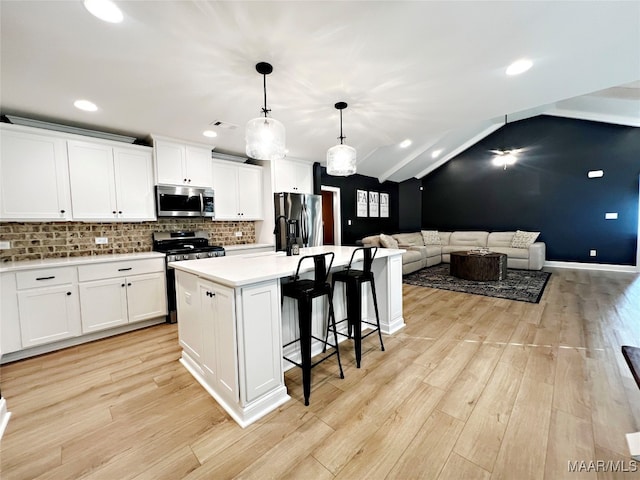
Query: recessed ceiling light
[[436, 153], [405, 143], [105, 10], [595, 173], [210, 133], [519, 66], [85, 105]]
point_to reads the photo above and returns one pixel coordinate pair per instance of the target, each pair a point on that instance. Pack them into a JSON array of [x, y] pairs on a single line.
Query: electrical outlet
[[238, 234], [102, 240], [5, 245], [592, 253], [611, 216], [348, 222]]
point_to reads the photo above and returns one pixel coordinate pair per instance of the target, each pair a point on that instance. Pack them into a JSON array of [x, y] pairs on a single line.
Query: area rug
[[520, 285]]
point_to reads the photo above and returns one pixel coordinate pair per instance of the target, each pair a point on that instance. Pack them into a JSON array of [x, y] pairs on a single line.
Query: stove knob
[[185, 257], [212, 254], [170, 258]]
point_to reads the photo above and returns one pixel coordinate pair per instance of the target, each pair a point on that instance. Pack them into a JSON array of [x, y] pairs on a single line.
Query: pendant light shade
[[341, 159], [265, 137]]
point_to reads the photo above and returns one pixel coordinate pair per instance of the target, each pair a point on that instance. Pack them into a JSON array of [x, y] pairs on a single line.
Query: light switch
[[592, 253], [611, 216]]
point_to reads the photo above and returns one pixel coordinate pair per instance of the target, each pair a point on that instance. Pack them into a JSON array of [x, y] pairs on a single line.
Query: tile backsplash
[[39, 240]]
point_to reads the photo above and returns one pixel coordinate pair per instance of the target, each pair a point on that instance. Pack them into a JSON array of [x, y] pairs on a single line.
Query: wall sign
[[361, 203], [373, 204], [384, 205]]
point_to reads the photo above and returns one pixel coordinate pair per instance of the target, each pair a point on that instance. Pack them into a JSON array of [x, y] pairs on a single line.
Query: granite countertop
[[72, 261]]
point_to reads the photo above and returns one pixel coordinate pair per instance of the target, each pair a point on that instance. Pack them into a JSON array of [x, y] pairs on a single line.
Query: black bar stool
[[353, 280], [304, 291]]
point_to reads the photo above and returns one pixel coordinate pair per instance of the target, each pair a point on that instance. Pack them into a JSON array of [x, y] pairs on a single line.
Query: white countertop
[[72, 261], [239, 270], [248, 246]]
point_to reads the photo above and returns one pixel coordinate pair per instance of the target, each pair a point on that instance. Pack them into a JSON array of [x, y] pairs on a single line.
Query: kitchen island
[[232, 322]]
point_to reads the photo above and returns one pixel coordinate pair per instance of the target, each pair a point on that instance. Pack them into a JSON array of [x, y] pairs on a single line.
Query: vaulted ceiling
[[431, 72]]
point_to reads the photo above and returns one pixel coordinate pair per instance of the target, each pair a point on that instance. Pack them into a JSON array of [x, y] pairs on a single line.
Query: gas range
[[178, 246]]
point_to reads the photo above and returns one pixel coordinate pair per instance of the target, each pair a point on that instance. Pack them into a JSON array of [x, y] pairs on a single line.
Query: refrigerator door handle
[[304, 227]]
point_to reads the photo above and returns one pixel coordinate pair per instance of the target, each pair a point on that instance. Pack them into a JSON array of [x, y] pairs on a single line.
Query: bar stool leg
[[304, 322], [354, 313], [375, 306], [332, 319]]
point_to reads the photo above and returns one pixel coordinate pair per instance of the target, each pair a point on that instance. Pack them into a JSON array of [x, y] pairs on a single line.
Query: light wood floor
[[472, 388]]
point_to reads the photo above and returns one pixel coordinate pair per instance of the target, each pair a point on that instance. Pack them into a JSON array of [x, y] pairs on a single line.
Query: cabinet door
[[93, 192], [208, 324], [190, 313], [226, 343], [198, 166], [303, 177], [48, 314], [146, 296], [133, 172], [250, 199], [293, 176], [225, 186], [170, 162], [103, 303], [34, 182]]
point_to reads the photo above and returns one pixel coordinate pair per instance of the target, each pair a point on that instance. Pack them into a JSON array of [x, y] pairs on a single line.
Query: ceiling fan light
[[265, 139], [341, 160]]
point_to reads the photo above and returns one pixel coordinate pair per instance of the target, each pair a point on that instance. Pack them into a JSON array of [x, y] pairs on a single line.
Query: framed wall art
[[374, 204], [361, 203], [384, 205]]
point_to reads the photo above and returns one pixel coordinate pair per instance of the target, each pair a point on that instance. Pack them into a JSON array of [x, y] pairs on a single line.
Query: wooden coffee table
[[473, 266]]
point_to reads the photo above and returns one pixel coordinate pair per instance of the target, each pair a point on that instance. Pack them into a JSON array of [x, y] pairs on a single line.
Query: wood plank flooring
[[472, 388]]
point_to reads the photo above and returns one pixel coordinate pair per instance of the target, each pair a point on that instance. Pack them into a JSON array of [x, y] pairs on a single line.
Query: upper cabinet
[[179, 163], [34, 183], [293, 176], [238, 191], [111, 183]]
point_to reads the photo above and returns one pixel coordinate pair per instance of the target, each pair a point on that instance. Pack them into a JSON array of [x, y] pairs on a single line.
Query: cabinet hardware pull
[[122, 285], [61, 211], [120, 212], [185, 180], [68, 293], [46, 278], [124, 269], [128, 284], [114, 212]]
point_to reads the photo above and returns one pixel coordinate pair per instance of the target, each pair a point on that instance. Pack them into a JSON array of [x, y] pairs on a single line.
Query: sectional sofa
[[430, 247]]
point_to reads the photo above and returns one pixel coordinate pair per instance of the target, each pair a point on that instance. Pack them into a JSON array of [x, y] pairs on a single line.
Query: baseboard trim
[[592, 266], [4, 416]]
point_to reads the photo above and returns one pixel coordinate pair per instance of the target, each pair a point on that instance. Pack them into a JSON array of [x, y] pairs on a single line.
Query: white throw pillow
[[431, 237], [524, 239], [388, 242]]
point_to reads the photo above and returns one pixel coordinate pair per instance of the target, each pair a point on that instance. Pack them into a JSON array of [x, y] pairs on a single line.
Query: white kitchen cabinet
[[34, 182], [179, 163], [238, 191], [118, 293], [48, 305], [293, 176], [219, 348], [111, 183]]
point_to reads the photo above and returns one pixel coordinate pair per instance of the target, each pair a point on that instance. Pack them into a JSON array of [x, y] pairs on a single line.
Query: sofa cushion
[[427, 250], [373, 240], [512, 252], [431, 237], [500, 239], [469, 239], [524, 239], [408, 239], [388, 242], [444, 237], [412, 256]]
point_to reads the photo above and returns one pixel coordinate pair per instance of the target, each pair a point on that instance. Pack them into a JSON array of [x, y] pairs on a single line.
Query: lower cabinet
[[48, 305], [231, 340], [118, 301]]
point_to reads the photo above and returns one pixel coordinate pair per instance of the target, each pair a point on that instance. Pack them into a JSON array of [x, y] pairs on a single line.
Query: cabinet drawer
[[45, 277], [100, 271]]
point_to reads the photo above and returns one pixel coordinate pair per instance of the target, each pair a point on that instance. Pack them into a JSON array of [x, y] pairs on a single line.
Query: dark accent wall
[[360, 226], [547, 190], [410, 214]]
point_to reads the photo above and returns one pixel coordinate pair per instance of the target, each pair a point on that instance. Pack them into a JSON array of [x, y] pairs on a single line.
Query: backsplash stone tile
[[39, 240]]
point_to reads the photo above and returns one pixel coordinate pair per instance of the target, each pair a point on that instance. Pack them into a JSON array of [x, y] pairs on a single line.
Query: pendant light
[[341, 159], [264, 135]]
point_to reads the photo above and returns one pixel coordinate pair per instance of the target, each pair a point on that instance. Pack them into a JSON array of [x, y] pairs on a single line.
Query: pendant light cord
[[265, 110], [341, 137]]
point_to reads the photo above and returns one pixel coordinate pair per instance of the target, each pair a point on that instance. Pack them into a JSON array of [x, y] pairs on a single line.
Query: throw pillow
[[431, 237], [388, 242], [524, 239]]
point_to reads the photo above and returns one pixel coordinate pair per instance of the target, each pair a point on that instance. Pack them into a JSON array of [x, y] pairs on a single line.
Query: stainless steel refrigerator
[[307, 210]]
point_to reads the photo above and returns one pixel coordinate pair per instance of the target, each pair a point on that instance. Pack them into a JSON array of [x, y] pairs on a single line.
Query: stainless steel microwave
[[179, 201]]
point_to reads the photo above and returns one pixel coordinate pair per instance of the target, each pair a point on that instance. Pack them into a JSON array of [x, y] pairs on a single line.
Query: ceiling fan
[[503, 157]]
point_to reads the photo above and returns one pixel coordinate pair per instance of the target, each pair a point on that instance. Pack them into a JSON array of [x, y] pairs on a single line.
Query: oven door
[[177, 201]]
